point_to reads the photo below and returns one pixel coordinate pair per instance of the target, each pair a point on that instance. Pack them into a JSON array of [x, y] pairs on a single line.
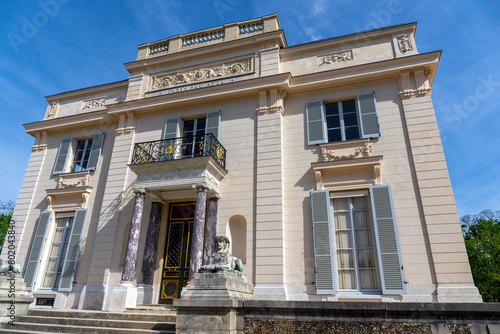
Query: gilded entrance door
[[175, 273]]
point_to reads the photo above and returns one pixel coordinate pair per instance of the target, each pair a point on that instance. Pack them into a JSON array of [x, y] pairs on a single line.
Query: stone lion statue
[[222, 260]]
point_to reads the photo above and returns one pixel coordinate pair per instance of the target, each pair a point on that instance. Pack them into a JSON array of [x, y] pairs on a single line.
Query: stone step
[[85, 314], [152, 309], [21, 327], [87, 322]]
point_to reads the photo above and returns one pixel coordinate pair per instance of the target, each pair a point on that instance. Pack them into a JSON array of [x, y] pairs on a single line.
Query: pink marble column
[[133, 239], [151, 250], [211, 230], [198, 231]]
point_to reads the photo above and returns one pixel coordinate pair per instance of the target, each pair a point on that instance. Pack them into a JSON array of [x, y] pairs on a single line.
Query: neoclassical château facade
[[322, 163]]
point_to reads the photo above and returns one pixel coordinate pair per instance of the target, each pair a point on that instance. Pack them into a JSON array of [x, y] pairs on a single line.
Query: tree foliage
[[482, 240], [6, 209]]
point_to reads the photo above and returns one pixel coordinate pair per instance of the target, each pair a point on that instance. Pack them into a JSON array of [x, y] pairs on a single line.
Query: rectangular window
[[351, 119], [57, 253], [86, 154], [342, 121], [354, 244], [193, 133], [81, 156]]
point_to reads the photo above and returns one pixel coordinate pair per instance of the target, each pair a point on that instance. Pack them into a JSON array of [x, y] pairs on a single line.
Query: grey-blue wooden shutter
[[213, 123], [73, 250], [62, 156], [368, 115], [386, 234], [171, 128], [315, 122], [324, 269], [95, 151], [36, 249]]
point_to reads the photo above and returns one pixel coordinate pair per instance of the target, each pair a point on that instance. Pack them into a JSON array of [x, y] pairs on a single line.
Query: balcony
[[180, 148], [178, 163]]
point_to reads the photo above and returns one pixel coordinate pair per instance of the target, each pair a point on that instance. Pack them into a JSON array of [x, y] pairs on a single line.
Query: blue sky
[[51, 46]]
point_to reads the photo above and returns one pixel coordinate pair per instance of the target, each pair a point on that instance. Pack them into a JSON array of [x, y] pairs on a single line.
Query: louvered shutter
[[71, 256], [315, 122], [171, 128], [213, 122], [36, 249], [322, 243], [62, 156], [95, 152], [386, 234], [368, 115]]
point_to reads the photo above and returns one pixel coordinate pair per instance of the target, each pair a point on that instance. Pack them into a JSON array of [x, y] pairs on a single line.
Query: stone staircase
[[145, 319]]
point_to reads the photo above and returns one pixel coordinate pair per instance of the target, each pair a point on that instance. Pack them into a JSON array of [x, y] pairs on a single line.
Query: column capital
[[201, 187], [140, 191]]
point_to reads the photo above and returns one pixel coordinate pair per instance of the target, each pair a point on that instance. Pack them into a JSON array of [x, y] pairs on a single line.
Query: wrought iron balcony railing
[[180, 148]]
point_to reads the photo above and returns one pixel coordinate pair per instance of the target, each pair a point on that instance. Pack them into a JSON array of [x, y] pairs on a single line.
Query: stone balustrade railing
[[227, 32]]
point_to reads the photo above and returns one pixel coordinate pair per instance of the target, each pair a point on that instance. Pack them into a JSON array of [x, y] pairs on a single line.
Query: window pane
[[345, 259], [347, 279], [342, 221], [366, 258], [361, 218], [352, 133], [341, 204], [368, 279], [348, 106], [363, 238], [200, 126], [188, 128], [333, 122], [334, 135], [350, 119], [331, 109], [343, 239]]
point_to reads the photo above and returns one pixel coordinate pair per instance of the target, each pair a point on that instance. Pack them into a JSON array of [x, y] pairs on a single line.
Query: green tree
[[482, 240], [6, 209]]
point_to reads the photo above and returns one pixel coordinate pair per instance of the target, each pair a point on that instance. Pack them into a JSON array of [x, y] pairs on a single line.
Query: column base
[[269, 291], [123, 296], [458, 293], [145, 294]]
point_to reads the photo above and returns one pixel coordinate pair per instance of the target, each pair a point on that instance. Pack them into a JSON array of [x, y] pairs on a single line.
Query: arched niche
[[238, 235]]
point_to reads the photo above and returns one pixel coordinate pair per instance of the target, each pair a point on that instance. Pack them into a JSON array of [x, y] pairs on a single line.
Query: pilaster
[[108, 222], [449, 256], [270, 216], [23, 214]]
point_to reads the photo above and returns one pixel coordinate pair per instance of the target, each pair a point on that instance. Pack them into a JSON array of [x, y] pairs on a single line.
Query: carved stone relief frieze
[[404, 43], [83, 181], [336, 57], [52, 110], [95, 103], [328, 155], [202, 74]]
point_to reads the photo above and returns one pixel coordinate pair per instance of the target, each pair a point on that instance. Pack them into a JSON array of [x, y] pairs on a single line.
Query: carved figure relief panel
[[226, 69]]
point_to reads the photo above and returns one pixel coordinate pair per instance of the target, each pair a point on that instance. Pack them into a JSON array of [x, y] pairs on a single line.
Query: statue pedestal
[[213, 303], [14, 298]]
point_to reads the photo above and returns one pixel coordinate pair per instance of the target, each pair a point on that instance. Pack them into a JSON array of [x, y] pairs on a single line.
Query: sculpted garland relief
[[327, 155], [202, 74]]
